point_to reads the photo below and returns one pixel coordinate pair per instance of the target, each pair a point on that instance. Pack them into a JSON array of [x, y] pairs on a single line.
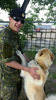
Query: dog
[[34, 88]]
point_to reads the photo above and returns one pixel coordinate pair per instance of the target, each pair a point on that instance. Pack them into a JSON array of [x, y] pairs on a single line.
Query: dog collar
[[38, 64]]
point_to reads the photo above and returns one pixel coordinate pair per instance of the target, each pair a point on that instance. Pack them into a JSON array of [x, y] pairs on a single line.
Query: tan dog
[[35, 88]]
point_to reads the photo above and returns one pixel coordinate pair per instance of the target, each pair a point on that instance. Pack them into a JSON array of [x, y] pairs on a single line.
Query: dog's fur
[[35, 88]]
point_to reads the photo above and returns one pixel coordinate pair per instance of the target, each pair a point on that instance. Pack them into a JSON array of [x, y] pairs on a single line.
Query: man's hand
[[32, 71]]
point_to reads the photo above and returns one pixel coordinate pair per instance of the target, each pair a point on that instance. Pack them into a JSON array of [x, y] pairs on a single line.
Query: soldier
[[10, 63]]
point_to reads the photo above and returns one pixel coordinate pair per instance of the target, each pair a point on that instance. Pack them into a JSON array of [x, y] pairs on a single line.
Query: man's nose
[[19, 22]]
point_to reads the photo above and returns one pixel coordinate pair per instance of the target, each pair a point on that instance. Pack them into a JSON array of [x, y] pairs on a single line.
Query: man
[[10, 63]]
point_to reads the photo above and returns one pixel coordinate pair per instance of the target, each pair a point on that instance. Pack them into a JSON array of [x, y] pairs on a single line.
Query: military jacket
[[9, 43]]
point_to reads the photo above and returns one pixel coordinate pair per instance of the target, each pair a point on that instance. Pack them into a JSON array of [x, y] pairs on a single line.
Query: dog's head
[[44, 58]]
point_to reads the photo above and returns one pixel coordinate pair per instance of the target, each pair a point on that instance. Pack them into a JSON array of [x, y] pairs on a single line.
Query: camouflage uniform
[[9, 43]]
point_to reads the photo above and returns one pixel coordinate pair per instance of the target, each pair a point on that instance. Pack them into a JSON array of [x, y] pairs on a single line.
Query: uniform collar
[[11, 32]]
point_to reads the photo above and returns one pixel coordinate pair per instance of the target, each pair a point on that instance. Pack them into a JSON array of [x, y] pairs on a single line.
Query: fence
[[39, 39], [45, 38]]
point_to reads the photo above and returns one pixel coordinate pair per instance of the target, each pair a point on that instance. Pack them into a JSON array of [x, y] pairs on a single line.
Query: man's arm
[[30, 70]]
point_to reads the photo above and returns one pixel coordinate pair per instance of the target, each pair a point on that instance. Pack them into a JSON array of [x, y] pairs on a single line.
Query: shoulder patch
[[7, 50]]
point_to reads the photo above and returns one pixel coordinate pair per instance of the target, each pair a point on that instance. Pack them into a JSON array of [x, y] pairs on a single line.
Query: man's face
[[15, 25]]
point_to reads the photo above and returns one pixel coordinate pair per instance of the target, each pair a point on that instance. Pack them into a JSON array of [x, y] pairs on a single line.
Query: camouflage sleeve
[[6, 52]]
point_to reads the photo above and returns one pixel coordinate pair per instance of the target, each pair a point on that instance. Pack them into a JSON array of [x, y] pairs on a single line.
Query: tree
[[49, 5], [27, 29], [8, 4], [36, 5]]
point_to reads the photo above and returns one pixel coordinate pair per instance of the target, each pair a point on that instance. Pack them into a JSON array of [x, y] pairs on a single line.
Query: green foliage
[[30, 54], [43, 2], [54, 52], [52, 75], [28, 26], [22, 39], [27, 29], [36, 5], [8, 4], [49, 5]]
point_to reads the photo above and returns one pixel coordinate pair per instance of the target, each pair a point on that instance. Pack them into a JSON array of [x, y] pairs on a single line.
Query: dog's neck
[[38, 64]]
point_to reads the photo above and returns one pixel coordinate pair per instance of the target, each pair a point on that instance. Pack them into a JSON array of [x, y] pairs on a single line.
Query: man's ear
[[10, 18]]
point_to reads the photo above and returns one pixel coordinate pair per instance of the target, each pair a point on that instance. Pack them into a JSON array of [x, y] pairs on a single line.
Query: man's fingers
[[37, 77], [37, 69], [36, 74]]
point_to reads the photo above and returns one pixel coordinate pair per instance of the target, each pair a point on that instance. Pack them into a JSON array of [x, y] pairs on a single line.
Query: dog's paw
[[22, 74], [18, 52]]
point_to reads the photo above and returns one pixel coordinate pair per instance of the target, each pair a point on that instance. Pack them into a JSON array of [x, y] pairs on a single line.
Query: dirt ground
[[50, 86]]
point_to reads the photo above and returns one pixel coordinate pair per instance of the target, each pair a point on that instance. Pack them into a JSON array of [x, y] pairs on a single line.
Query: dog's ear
[[46, 50], [42, 51]]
